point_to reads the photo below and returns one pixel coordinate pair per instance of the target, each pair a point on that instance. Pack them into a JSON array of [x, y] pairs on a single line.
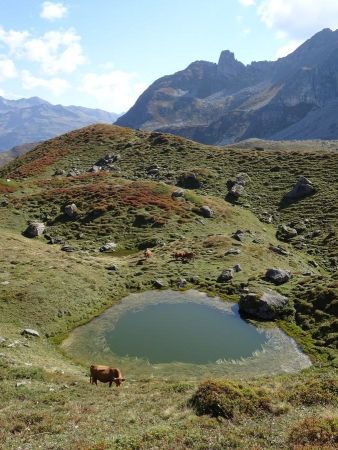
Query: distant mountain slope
[[292, 98], [8, 155], [34, 119]]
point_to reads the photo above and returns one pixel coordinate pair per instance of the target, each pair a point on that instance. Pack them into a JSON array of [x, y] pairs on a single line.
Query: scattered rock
[[267, 306], [108, 247], [112, 268], [279, 250], [159, 284], [21, 383], [189, 180], [301, 189], [285, 233], [55, 240], [68, 248], [232, 251], [182, 283], [237, 268], [236, 186], [107, 160], [179, 193], [71, 210], [4, 202], [226, 276], [59, 172], [239, 235], [30, 332], [2, 340], [206, 211], [313, 263], [34, 229], [94, 169], [74, 172], [277, 276]]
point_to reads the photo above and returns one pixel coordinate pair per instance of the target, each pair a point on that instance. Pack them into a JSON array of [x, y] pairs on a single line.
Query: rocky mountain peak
[[228, 64]]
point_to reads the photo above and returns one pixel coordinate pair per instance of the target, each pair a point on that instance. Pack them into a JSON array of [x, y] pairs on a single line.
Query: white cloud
[[53, 11], [288, 48], [7, 68], [55, 51], [56, 86], [298, 19], [247, 2], [114, 91], [13, 39]]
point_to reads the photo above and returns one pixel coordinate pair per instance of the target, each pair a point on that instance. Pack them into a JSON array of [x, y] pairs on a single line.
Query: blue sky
[[104, 53]]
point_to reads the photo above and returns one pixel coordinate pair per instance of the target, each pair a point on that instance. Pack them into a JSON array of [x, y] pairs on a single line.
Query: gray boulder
[[239, 235], [34, 229], [236, 186], [285, 233], [30, 332], [206, 211], [237, 268], [267, 306], [108, 247], [226, 276], [278, 276], [301, 189], [159, 284], [179, 193], [70, 210], [232, 251]]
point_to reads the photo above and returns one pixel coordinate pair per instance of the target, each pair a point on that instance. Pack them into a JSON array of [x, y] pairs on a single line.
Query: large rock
[[206, 211], [70, 210], [30, 332], [189, 180], [301, 189], [236, 186], [286, 233], [267, 306], [226, 276], [278, 276], [108, 247], [34, 229]]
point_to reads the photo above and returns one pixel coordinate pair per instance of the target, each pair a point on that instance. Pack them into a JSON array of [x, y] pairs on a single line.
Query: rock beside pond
[[226, 276], [159, 284], [267, 306], [30, 332], [34, 229], [278, 276]]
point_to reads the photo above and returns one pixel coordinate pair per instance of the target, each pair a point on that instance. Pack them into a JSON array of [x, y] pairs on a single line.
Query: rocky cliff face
[[227, 102]]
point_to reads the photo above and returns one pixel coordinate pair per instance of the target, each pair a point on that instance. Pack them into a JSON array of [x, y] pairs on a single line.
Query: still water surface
[[170, 334]]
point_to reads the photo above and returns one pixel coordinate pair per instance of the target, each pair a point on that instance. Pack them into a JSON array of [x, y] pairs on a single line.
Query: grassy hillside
[[45, 397]]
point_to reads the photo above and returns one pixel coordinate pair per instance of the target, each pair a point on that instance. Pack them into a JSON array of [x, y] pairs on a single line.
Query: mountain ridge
[[225, 102], [34, 119]]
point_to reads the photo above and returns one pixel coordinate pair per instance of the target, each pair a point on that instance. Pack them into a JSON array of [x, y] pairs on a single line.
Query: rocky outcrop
[[278, 276], [226, 276], [70, 211], [301, 189], [206, 211], [236, 186], [30, 332], [266, 306], [34, 229], [227, 102]]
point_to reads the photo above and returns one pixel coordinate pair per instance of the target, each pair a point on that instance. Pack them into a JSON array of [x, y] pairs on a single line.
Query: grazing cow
[[184, 255], [106, 374], [148, 253]]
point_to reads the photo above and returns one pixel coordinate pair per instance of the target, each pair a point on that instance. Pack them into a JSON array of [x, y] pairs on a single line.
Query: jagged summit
[[229, 101]]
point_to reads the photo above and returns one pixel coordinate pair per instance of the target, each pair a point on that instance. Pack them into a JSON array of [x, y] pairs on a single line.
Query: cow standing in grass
[[106, 374]]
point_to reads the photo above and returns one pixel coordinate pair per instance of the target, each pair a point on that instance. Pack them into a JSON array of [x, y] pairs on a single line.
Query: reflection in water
[[170, 333]]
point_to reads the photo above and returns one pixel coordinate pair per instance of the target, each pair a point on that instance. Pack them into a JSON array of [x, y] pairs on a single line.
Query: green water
[[170, 334], [184, 332]]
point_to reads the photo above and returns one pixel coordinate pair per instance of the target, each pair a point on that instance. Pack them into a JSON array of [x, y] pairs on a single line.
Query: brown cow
[[105, 374], [147, 253]]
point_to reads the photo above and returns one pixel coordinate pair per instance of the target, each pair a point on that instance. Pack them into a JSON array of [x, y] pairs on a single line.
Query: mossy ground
[[44, 288]]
